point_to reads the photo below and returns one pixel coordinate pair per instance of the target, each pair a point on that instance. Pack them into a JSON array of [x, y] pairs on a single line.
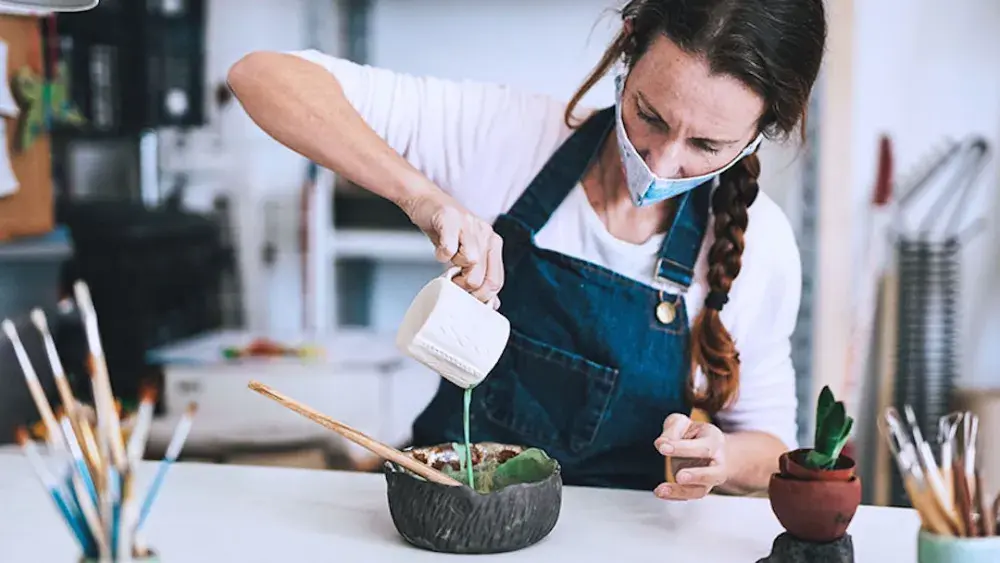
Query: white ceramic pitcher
[[453, 333]]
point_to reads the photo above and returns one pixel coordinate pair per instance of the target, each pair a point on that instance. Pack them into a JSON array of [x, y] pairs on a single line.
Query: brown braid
[[712, 347]]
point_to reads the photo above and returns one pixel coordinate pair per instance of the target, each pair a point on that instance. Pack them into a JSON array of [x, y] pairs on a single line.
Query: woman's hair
[[775, 48]]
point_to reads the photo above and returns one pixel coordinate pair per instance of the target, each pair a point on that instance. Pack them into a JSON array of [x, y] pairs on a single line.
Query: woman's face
[[684, 120]]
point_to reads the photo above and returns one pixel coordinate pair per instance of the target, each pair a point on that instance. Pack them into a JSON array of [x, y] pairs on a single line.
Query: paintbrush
[[100, 379], [62, 385], [143, 422], [378, 448], [88, 442], [66, 509], [129, 540], [79, 463], [53, 433], [173, 452]]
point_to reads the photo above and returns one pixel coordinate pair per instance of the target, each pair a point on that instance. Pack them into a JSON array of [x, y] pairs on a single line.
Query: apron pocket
[[551, 397]]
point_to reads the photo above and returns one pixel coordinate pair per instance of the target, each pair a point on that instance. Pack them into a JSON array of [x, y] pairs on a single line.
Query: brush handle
[[154, 490], [72, 518], [378, 448]]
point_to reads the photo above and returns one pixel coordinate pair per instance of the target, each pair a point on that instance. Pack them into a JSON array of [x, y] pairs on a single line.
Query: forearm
[[304, 108], [751, 458]]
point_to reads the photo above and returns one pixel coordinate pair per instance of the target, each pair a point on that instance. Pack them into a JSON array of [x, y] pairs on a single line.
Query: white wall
[[926, 70]]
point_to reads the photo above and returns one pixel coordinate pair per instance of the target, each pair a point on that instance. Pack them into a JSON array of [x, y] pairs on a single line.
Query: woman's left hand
[[685, 438]]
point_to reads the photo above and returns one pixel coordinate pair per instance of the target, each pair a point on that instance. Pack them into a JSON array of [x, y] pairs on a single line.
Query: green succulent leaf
[[833, 430]]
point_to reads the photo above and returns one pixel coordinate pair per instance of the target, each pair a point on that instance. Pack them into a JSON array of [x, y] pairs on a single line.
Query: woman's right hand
[[462, 239]]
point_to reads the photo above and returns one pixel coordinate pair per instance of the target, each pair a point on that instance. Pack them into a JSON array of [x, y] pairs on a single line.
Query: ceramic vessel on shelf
[[517, 509]]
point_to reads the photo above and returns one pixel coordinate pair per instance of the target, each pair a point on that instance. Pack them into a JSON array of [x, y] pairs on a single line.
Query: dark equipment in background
[[155, 275], [133, 65]]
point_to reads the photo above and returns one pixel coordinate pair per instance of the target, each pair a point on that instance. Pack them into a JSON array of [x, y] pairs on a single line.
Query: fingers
[[710, 476], [461, 238], [492, 272], [680, 492], [480, 255], [675, 428], [446, 229], [701, 447]]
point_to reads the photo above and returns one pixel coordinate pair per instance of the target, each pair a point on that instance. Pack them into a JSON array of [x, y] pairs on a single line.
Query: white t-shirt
[[484, 143]]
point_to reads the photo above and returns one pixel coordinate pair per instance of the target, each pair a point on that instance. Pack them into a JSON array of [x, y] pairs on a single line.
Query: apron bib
[[591, 369]]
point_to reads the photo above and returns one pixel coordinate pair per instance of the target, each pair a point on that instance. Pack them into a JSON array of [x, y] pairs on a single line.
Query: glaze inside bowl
[[512, 507]]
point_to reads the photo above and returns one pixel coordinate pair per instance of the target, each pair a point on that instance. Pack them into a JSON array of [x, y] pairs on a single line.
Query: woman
[[611, 239]]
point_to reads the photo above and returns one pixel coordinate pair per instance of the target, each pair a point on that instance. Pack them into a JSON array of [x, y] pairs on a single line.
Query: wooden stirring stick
[[378, 448]]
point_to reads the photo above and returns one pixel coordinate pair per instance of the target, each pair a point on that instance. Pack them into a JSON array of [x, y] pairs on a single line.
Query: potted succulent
[[816, 493]]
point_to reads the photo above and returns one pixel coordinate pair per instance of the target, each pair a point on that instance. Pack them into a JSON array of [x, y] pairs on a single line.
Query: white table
[[212, 513]]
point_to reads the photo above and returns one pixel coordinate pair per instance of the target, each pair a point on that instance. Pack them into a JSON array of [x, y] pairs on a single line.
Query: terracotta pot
[[792, 464], [460, 520], [816, 511]]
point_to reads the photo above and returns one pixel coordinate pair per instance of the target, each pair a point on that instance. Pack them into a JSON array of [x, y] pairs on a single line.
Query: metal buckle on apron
[[666, 311]]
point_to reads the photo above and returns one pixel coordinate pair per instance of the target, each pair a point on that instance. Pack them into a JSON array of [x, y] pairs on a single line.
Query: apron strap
[[681, 246], [560, 174]]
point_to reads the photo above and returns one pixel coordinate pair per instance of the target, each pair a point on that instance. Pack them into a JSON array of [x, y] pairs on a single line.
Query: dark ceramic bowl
[[450, 519]]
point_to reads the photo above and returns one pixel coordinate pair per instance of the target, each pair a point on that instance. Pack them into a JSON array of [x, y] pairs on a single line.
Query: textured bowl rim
[[390, 467]]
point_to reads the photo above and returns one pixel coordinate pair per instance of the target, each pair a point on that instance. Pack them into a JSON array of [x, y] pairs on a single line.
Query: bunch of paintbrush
[[946, 489], [95, 460]]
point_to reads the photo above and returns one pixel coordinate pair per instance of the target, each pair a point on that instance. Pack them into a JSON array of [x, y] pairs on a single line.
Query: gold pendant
[[666, 312]]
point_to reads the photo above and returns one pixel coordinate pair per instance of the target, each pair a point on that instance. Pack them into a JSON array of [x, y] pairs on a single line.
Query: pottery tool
[[995, 513], [932, 515], [929, 464], [969, 445], [173, 452], [947, 431], [987, 519], [378, 448], [69, 513], [963, 503], [53, 433]]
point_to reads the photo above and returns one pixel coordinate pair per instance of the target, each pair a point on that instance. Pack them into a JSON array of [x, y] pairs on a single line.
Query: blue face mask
[[645, 187]]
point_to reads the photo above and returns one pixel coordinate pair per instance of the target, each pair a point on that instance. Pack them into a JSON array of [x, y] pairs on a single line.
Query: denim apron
[[596, 361]]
